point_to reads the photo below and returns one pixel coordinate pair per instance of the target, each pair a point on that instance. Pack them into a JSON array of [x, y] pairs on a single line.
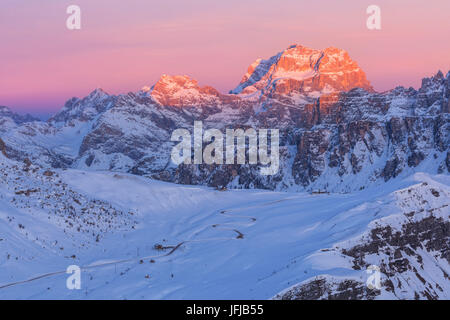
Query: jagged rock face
[[3, 148], [431, 94], [411, 251], [141, 142], [330, 288], [83, 110], [340, 139], [423, 236], [184, 92], [303, 70], [383, 148]]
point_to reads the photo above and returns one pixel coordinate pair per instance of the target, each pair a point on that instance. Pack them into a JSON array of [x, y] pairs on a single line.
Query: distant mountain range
[[337, 133], [10, 120]]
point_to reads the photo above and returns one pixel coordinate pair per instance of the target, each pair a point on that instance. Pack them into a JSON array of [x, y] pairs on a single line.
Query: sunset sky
[[125, 45]]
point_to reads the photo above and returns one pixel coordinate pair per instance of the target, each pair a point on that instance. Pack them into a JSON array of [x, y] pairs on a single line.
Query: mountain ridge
[[333, 139]]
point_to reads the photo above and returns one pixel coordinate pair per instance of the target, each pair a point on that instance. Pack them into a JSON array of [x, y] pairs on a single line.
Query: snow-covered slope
[[409, 248], [159, 240]]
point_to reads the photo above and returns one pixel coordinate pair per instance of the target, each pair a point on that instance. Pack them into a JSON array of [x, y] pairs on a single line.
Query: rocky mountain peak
[[172, 84], [436, 80], [181, 91], [433, 94], [84, 109], [305, 70], [98, 93]]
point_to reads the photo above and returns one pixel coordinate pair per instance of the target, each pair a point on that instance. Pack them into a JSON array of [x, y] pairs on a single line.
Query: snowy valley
[[165, 241]]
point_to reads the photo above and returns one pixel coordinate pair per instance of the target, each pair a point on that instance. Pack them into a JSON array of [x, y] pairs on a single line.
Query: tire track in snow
[[114, 262], [240, 235]]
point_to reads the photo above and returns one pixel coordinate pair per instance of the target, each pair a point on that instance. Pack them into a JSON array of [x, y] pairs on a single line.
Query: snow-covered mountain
[[336, 132], [10, 120], [410, 249], [82, 188], [305, 71]]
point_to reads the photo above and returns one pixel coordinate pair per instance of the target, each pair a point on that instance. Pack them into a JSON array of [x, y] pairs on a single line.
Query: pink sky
[[125, 45]]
